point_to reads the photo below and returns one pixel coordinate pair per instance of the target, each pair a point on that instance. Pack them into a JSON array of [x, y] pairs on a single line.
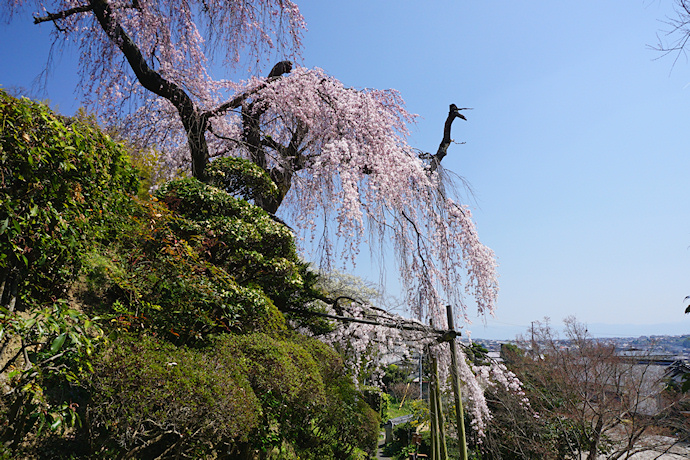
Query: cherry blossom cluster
[[364, 346], [360, 174], [498, 373]]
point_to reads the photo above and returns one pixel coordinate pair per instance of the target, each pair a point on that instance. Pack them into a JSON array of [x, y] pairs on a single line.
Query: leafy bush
[[58, 177], [196, 263], [241, 238], [395, 374], [240, 394], [241, 178], [151, 397], [188, 288], [151, 276]]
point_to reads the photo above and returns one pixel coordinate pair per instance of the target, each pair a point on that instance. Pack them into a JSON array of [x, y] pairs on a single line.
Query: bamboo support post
[[433, 421], [443, 449], [455, 378]]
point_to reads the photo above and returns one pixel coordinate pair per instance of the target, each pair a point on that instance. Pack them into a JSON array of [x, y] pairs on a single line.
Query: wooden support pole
[[433, 420], [432, 423], [455, 378], [443, 449], [432, 413]]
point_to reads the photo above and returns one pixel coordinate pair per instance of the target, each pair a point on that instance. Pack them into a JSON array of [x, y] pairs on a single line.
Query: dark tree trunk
[[196, 123], [289, 157], [594, 442]]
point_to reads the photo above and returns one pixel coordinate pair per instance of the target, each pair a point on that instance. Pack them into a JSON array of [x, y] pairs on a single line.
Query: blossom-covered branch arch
[[366, 335]]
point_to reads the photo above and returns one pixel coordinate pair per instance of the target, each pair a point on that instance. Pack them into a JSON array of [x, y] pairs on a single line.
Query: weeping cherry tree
[[335, 156]]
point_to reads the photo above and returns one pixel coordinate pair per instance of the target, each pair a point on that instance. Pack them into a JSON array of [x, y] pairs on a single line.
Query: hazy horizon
[[496, 331]]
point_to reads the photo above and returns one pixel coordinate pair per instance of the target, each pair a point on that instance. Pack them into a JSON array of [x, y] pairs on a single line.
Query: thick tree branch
[[442, 151], [269, 142], [277, 71], [442, 335], [11, 360], [256, 144], [235, 102], [280, 69], [232, 104]]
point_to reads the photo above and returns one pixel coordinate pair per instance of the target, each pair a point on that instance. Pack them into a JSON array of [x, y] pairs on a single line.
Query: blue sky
[[577, 148]]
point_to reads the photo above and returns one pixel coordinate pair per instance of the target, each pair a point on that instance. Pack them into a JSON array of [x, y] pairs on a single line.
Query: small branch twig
[[62, 14]]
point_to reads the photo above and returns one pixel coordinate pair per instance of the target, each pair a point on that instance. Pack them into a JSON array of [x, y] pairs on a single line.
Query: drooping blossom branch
[[367, 335], [134, 53], [342, 155]]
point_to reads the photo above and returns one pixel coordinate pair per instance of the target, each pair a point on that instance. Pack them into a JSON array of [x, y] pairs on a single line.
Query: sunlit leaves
[[55, 181]]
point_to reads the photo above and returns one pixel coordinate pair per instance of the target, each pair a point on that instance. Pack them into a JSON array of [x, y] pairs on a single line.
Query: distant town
[[672, 347]]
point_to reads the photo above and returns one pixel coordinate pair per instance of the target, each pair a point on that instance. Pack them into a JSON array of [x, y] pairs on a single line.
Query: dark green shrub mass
[[154, 328], [150, 396], [243, 178]]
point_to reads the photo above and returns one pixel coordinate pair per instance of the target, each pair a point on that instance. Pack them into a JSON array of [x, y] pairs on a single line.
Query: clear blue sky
[[577, 148]]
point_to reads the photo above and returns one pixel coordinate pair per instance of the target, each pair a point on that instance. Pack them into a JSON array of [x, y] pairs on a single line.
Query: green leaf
[[56, 423], [58, 342]]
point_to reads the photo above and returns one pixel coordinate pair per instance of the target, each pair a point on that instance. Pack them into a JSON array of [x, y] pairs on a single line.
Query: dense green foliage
[[239, 395], [153, 328], [187, 278], [243, 178], [57, 178]]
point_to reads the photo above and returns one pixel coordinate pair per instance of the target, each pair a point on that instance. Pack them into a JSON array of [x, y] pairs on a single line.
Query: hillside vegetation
[[153, 328]]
